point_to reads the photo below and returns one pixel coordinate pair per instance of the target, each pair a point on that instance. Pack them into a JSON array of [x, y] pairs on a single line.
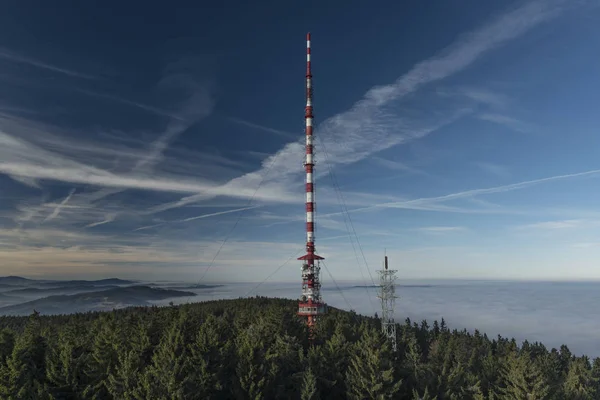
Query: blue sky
[[463, 139]]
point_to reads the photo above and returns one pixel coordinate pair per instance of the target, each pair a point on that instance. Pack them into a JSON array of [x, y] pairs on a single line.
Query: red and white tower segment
[[311, 304], [309, 165]]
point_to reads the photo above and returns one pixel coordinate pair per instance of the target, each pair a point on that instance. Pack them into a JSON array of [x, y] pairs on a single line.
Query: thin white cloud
[[369, 126], [109, 218], [217, 213], [32, 152], [142, 228], [441, 229], [363, 130], [425, 201], [563, 224], [278, 132], [484, 96], [155, 110], [58, 207], [585, 245], [507, 121], [10, 56], [397, 165], [494, 169]]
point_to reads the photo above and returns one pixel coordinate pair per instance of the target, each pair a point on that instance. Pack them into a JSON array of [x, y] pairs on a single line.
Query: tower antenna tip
[[308, 36]]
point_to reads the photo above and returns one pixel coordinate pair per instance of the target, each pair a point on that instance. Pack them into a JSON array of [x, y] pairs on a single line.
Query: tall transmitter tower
[[311, 305], [387, 294]]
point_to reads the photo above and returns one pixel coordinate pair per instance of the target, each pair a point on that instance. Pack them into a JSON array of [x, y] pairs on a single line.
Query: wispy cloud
[[494, 169], [562, 224], [69, 253], [35, 153], [441, 229], [108, 219], [479, 95], [32, 152], [56, 210], [397, 166], [278, 132], [553, 225], [585, 245], [370, 126], [507, 121], [11, 56], [485, 96], [155, 110], [428, 201], [217, 213]]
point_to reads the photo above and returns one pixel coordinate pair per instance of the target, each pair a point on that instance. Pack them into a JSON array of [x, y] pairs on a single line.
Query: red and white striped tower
[[311, 304]]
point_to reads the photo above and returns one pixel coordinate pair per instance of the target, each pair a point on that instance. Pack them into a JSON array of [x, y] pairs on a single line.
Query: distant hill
[[102, 300], [6, 300], [6, 281], [8, 286], [99, 282], [14, 280], [194, 287], [28, 291]]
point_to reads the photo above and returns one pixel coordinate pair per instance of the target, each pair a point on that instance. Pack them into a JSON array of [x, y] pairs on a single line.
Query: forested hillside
[[256, 349]]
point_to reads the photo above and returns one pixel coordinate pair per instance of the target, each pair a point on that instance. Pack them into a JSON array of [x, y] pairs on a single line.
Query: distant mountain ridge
[[101, 300], [14, 280], [20, 281], [58, 290]]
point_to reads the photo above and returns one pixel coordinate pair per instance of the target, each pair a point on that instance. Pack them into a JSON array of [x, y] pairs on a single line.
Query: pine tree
[[285, 368], [210, 360], [596, 374], [329, 362], [252, 372], [26, 365], [523, 378], [66, 363], [580, 384], [424, 396], [413, 369], [371, 372], [309, 386], [103, 358], [7, 345], [125, 381], [166, 377]]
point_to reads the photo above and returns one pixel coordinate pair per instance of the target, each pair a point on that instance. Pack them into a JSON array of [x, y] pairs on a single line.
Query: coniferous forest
[[257, 349]]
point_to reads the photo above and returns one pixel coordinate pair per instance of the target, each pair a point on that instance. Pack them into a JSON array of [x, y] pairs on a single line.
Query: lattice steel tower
[[311, 305], [387, 294]]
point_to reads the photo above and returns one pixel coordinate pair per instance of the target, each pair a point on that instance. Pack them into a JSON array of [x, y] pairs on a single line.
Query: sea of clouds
[[553, 313]]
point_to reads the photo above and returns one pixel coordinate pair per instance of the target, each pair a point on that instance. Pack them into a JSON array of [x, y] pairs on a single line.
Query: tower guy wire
[[274, 272], [262, 179], [337, 286], [349, 225], [237, 221]]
